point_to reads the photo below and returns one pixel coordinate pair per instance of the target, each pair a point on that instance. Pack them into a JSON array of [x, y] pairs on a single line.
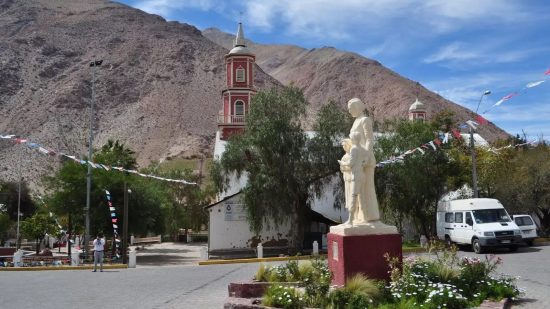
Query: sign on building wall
[[235, 212]]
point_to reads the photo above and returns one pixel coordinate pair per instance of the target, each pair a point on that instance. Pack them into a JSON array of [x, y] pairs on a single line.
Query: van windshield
[[491, 215]]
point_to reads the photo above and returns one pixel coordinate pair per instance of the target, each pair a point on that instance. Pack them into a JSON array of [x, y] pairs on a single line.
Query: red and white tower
[[239, 88]]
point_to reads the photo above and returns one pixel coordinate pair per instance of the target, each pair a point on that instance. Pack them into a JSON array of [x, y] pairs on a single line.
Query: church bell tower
[[239, 87]]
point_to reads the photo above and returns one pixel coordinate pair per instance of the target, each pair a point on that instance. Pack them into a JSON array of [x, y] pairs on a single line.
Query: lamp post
[[473, 151], [125, 224], [94, 64], [18, 240]]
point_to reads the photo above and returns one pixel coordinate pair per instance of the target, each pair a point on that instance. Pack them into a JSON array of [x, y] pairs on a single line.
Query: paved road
[[198, 287]]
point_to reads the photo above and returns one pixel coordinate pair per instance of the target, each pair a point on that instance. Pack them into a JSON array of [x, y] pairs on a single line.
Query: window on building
[[449, 217], [458, 217], [239, 108], [240, 75]]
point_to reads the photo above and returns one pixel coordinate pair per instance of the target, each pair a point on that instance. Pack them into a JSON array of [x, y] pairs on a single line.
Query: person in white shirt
[[99, 245]]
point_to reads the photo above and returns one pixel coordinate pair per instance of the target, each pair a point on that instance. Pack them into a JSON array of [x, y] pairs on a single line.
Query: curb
[[42, 268], [257, 260]]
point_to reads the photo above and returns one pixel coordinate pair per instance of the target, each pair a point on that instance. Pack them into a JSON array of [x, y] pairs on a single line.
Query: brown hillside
[[327, 73], [158, 90]]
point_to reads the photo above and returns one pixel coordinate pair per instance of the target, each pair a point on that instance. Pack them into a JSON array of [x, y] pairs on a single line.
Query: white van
[[528, 228], [479, 222]]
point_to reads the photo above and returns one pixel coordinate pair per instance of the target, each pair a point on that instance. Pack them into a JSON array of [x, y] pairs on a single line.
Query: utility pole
[[94, 64], [473, 151], [18, 240], [125, 225]]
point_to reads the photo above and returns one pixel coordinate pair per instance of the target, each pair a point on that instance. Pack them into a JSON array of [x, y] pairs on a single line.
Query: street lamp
[[474, 169], [125, 224], [94, 64]]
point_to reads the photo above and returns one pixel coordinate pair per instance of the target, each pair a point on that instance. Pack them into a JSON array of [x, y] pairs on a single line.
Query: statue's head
[[356, 107]]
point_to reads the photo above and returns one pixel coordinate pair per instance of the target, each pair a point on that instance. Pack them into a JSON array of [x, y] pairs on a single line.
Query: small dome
[[417, 106], [240, 50]]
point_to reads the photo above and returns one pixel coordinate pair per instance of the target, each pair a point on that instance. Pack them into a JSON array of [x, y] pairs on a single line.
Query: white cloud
[[473, 53]]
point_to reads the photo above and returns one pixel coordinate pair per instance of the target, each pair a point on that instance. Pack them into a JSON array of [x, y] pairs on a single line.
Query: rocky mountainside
[[158, 90], [330, 74]]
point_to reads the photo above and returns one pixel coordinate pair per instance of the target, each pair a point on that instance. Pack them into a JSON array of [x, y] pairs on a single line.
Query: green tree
[[67, 194], [413, 187], [37, 226], [5, 225], [9, 195], [281, 163], [523, 185]]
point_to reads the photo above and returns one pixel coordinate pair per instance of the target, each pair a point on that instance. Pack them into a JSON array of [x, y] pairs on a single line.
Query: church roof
[[239, 45], [417, 106]]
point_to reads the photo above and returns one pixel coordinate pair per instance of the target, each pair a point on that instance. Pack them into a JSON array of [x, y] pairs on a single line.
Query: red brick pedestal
[[348, 255]]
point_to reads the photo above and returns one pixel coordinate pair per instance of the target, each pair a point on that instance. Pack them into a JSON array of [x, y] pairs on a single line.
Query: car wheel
[[513, 248], [448, 242], [529, 242], [477, 246]]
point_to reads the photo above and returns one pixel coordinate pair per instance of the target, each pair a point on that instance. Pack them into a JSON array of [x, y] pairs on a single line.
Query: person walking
[[99, 245]]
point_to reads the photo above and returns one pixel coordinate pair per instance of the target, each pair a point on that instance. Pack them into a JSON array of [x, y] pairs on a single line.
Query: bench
[[146, 241]]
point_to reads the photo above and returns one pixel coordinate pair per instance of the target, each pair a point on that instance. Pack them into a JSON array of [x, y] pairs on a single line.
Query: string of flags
[[513, 94], [114, 222], [479, 120], [48, 151]]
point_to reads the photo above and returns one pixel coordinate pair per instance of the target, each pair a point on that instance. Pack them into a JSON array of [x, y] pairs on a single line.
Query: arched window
[[238, 112], [239, 108]]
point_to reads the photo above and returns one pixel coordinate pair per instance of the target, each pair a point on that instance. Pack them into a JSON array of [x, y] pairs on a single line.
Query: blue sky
[[457, 48]]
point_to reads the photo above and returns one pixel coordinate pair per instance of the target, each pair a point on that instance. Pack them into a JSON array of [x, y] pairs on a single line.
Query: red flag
[[547, 72], [456, 134], [481, 120], [437, 141]]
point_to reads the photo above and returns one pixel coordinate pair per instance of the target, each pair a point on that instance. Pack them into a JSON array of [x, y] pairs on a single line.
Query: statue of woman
[[366, 194]]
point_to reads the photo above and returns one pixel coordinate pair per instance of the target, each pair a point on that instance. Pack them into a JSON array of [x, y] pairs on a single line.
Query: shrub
[[278, 274], [283, 297], [262, 274], [358, 292], [293, 271], [316, 279]]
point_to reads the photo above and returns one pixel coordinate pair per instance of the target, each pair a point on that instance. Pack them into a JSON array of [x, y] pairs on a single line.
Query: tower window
[[240, 75], [239, 108]]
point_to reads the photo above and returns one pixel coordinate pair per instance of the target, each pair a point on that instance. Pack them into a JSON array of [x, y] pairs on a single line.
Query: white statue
[[357, 167]]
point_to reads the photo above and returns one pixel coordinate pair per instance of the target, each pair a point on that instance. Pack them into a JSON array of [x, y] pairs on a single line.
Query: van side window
[[449, 218], [468, 216], [458, 217]]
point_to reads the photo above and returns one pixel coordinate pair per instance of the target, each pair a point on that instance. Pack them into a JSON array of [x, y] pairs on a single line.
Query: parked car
[[528, 228], [479, 222]]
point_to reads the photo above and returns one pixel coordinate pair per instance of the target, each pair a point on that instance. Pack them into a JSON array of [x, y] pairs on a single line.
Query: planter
[[252, 289]]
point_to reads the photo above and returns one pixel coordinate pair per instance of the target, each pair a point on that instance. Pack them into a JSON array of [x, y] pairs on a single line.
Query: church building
[[229, 232]]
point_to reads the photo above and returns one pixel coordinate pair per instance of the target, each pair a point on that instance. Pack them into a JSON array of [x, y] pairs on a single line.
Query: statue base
[[352, 254], [369, 228]]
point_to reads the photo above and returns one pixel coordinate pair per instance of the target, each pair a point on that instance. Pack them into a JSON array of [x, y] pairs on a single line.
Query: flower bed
[[444, 281]]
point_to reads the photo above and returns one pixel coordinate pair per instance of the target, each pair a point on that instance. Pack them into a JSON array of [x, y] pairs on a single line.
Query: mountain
[[158, 89], [330, 74]]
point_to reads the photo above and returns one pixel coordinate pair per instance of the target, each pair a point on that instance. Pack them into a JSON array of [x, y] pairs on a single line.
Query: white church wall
[[230, 230]]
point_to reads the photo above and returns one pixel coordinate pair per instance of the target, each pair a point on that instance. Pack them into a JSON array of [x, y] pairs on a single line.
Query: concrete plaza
[[183, 284]]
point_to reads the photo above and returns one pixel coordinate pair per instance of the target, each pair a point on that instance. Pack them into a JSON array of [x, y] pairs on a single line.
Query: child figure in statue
[[351, 166]]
